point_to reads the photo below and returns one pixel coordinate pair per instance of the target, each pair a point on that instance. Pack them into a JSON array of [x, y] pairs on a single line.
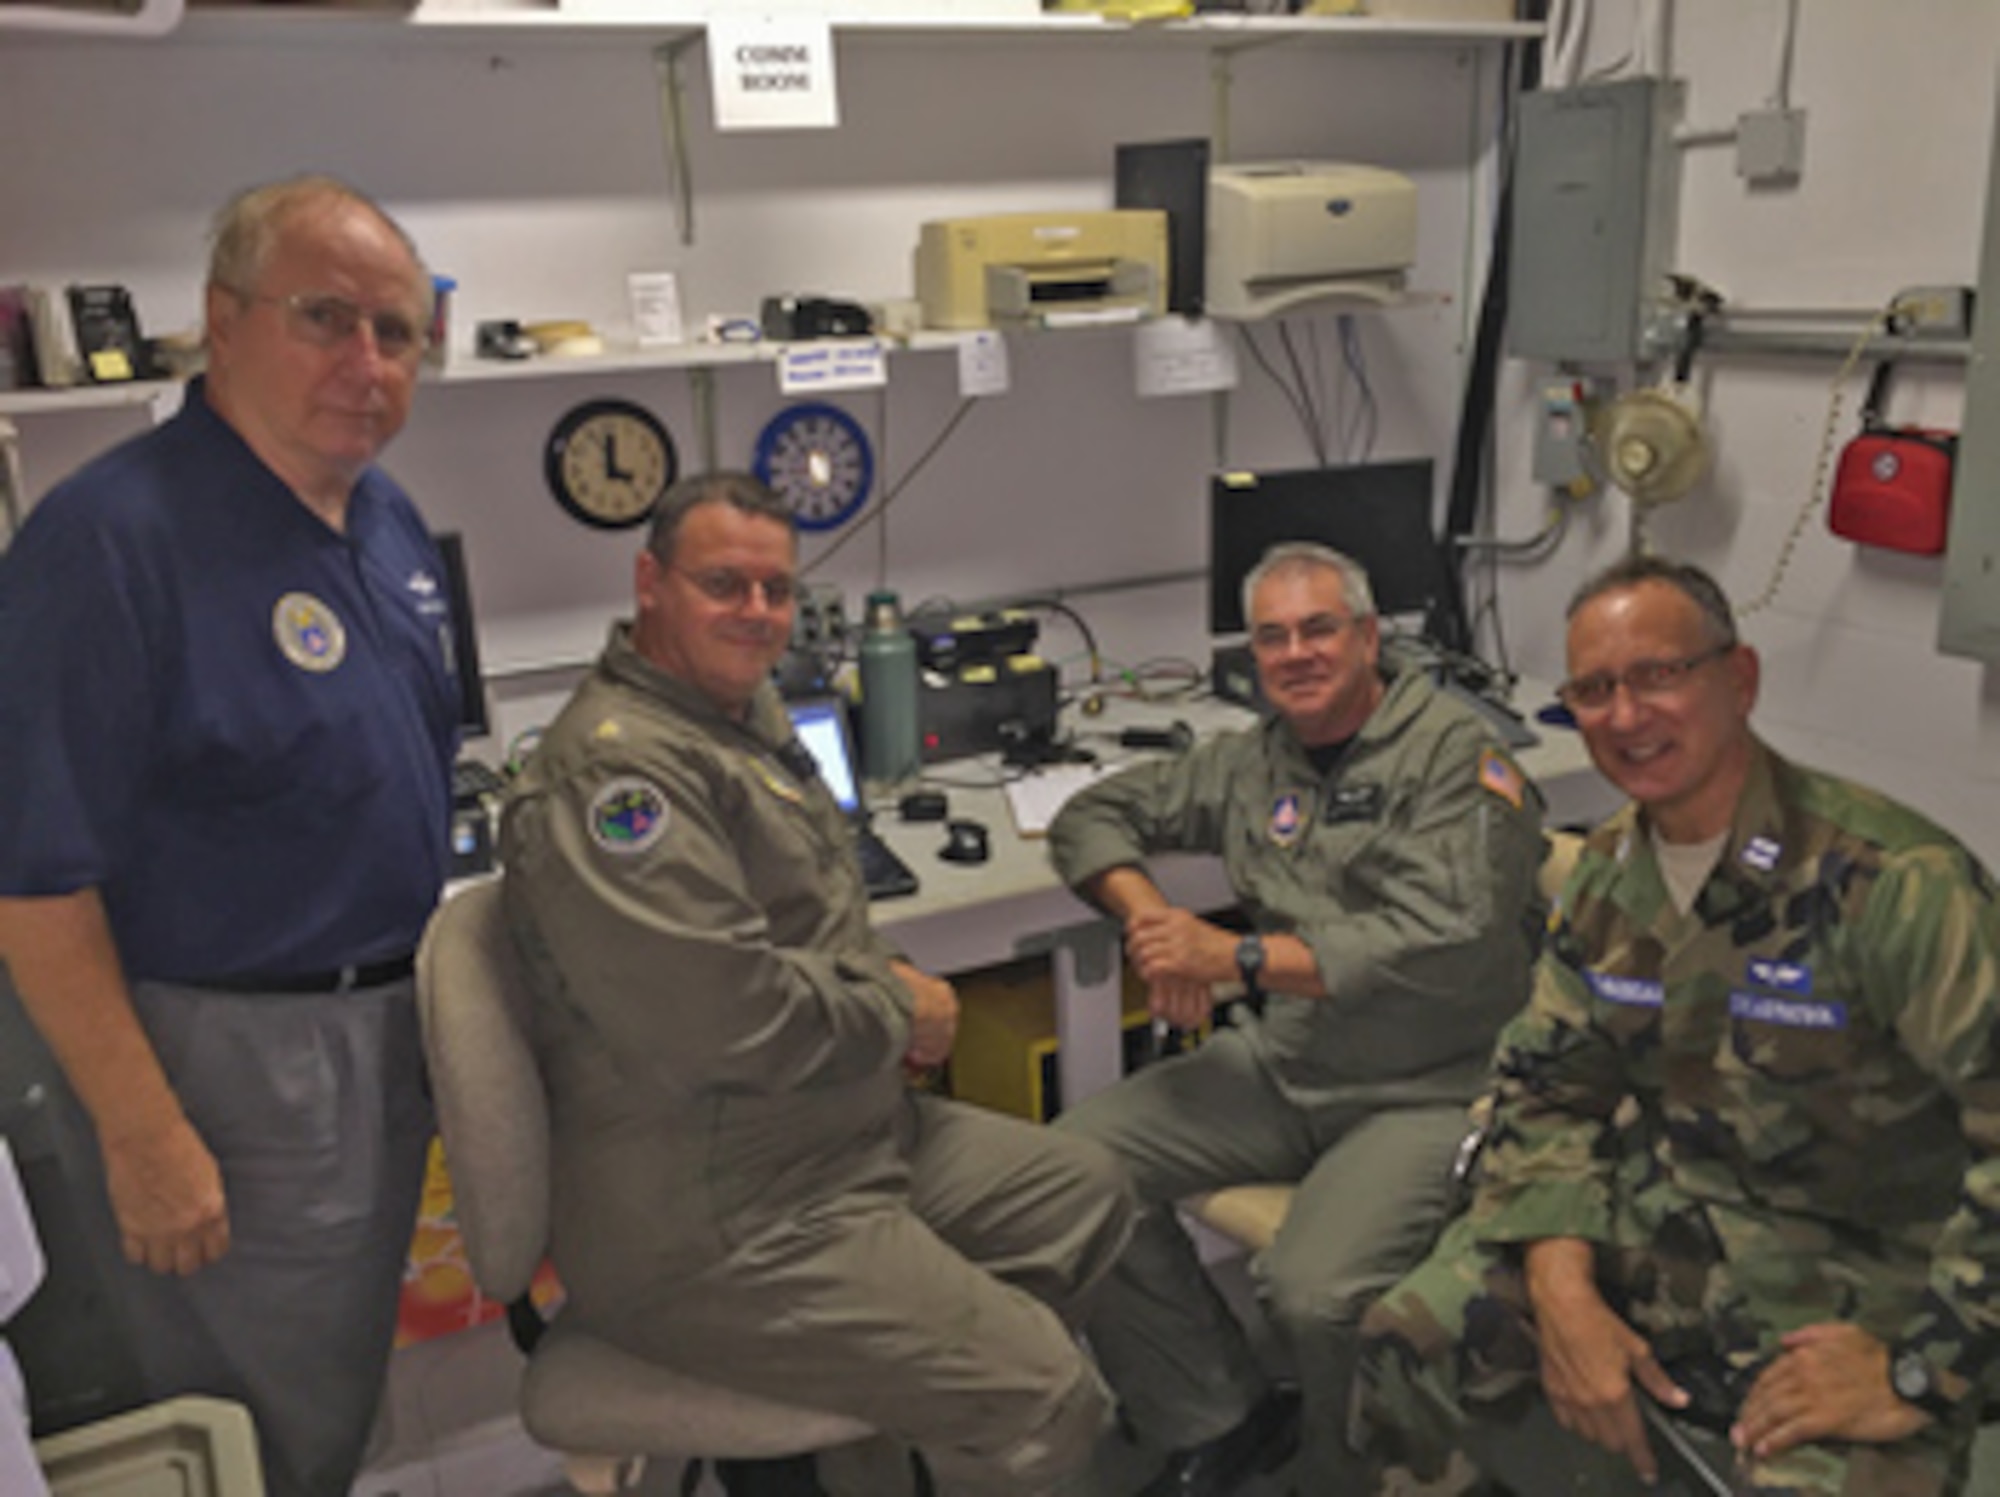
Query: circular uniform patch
[[628, 816], [310, 634]]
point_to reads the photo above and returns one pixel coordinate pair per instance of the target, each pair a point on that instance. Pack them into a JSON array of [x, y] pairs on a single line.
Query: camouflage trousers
[[1449, 1364]]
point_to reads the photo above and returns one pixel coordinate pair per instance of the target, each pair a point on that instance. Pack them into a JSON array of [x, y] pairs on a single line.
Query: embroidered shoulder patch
[[1498, 774], [628, 815]]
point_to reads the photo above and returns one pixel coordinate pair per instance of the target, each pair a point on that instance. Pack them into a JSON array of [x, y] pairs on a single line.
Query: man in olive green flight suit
[[745, 1188], [1385, 849], [1795, 983]]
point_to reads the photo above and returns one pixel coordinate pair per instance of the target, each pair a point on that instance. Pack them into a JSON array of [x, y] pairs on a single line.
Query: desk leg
[[1090, 1049]]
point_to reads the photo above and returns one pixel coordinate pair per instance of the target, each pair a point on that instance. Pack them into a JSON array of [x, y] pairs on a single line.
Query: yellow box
[[1005, 1057]]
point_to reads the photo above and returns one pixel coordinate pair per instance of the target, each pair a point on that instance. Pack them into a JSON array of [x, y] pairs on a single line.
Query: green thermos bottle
[[888, 692]]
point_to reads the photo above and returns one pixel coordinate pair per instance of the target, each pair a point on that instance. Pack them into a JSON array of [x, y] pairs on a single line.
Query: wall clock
[[817, 459], [609, 461]]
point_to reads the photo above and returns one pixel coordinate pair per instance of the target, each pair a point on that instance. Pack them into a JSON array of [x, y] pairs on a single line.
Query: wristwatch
[[1915, 1381], [1250, 965]]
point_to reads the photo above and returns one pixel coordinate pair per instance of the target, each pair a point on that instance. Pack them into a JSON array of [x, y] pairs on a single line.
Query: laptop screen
[[821, 724]]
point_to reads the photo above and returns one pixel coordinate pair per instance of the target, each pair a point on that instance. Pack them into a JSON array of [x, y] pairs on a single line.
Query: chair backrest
[[473, 996]]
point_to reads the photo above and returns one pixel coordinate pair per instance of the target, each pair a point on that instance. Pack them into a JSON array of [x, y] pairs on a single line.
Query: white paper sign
[[656, 307], [982, 365], [1182, 356], [835, 364], [772, 73]]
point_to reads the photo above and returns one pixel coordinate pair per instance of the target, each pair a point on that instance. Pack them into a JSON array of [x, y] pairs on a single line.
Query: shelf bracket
[[701, 395], [673, 130]]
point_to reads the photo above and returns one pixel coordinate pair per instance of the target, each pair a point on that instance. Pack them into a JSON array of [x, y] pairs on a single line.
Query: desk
[[1013, 906]]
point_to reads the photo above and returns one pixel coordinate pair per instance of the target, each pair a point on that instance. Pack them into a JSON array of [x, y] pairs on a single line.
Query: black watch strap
[[1250, 964], [1915, 1381]]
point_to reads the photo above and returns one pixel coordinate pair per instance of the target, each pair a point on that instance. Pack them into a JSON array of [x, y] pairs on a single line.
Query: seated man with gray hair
[[1384, 848]]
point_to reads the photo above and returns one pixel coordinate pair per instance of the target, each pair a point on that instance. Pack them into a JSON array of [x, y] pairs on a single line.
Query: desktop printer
[[1043, 269], [1284, 233]]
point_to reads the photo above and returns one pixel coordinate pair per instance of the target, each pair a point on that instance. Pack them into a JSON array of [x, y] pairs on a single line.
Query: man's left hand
[[1171, 945], [1831, 1381], [933, 1017]]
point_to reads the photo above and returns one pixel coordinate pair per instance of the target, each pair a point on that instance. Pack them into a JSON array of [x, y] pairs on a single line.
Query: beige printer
[[1284, 233], [1043, 269]]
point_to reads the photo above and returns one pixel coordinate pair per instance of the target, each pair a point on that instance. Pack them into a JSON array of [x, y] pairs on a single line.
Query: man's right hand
[[1590, 1357], [166, 1192]]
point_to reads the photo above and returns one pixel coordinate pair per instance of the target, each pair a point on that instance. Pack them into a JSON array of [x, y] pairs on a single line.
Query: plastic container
[[889, 749]]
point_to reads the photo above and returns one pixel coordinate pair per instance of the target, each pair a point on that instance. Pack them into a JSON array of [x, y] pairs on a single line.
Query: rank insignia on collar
[[1761, 853], [1288, 819], [777, 784], [309, 633], [628, 816]]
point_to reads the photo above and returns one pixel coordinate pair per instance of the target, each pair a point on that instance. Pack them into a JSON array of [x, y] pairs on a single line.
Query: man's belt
[[337, 980]]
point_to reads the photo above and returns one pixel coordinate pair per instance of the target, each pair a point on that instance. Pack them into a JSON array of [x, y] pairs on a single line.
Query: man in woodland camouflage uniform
[[1790, 1233]]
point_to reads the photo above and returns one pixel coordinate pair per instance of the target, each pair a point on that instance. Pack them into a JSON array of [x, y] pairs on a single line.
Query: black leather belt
[[339, 980]]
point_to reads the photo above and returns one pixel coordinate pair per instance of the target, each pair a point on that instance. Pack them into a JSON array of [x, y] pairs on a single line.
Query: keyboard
[[885, 875], [472, 781]]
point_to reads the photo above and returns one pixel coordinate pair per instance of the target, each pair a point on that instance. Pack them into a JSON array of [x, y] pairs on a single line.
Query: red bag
[[1893, 485]]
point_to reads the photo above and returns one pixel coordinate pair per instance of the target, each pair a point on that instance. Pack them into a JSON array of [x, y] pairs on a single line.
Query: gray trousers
[[316, 1111], [1373, 1187], [942, 1315]]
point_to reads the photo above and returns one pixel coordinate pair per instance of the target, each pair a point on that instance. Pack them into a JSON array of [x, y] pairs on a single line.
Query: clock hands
[[611, 468]]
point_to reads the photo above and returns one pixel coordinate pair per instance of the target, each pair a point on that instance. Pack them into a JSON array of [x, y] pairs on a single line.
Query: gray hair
[[1684, 577], [740, 491], [1301, 556], [248, 229]]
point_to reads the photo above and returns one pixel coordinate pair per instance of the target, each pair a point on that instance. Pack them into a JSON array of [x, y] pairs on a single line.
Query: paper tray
[[185, 1447]]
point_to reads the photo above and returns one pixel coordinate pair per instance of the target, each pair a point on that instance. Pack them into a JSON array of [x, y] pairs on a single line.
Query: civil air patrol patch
[[1780, 977], [309, 633], [1761, 853], [1288, 818], [628, 816], [1498, 774]]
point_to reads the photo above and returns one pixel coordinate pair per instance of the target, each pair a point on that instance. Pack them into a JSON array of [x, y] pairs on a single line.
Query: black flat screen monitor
[[1377, 513], [473, 721]]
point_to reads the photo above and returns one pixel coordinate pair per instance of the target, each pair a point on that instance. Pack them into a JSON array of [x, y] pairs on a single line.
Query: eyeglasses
[[1321, 628], [733, 588], [327, 321], [1643, 678]]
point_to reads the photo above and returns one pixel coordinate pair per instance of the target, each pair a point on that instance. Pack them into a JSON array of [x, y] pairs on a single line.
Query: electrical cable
[[1368, 416], [880, 507], [1077, 620], [1316, 421], [1822, 464], [1304, 414]]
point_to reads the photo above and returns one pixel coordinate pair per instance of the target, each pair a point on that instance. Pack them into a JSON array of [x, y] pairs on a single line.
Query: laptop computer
[[820, 723]]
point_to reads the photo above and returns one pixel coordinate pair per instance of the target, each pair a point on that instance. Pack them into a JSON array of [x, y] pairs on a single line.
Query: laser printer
[[1042, 269], [1284, 233]]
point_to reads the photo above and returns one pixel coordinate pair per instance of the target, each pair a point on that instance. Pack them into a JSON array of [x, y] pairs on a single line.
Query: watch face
[[817, 459], [1910, 1376], [608, 463]]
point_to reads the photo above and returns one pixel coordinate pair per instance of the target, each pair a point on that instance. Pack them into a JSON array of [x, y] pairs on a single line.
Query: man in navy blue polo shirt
[[226, 724]]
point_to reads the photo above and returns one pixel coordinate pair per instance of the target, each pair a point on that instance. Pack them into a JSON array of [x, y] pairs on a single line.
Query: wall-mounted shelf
[[675, 20]]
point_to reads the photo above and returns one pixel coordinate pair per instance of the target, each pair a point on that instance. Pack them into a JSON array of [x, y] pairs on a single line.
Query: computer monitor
[[473, 721], [1377, 513]]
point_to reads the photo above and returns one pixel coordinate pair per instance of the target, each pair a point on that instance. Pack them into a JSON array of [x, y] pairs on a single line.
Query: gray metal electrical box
[[1596, 180], [1969, 621]]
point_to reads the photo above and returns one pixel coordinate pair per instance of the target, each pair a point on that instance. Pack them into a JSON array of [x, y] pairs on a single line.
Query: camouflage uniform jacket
[[720, 1031], [1408, 868], [1812, 1052]]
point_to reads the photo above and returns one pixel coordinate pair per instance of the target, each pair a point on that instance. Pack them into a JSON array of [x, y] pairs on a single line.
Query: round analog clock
[[817, 458], [609, 461]]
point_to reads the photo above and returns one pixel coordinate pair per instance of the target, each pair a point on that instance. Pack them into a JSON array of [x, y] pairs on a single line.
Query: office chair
[[604, 1409]]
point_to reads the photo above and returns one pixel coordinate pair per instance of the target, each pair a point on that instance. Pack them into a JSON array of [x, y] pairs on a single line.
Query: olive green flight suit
[[744, 1188], [1409, 869], [1812, 1054]]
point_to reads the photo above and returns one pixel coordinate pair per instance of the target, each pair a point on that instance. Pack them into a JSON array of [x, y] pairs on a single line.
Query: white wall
[[1900, 103]]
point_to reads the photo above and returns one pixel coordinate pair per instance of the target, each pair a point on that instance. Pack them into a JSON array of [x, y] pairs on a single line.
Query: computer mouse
[[965, 842]]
